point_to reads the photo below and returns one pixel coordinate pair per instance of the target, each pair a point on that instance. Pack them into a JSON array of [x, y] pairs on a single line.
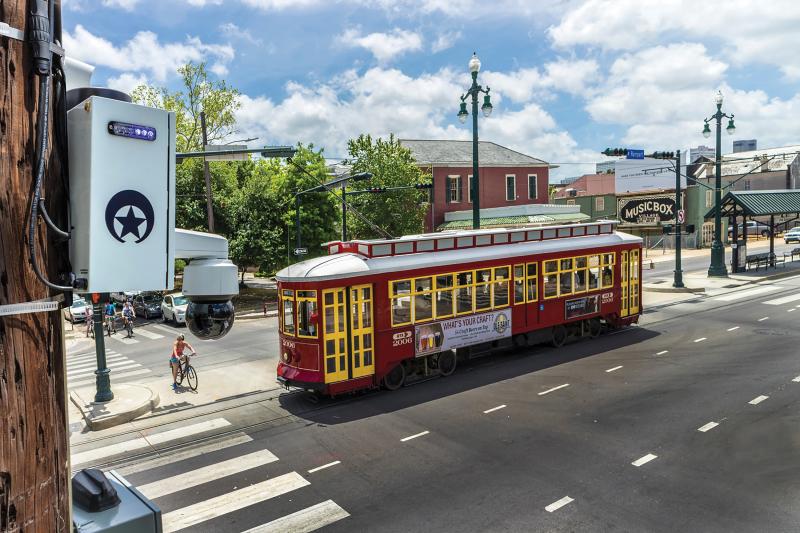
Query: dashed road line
[[422, 434], [701, 339], [734, 328], [662, 352], [706, 427], [559, 504], [757, 400], [763, 319], [644, 460], [493, 409], [790, 310], [548, 391], [614, 369], [323, 467], [797, 379]]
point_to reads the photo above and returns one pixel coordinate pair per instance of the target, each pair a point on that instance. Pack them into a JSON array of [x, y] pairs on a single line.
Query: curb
[[105, 421], [674, 289]]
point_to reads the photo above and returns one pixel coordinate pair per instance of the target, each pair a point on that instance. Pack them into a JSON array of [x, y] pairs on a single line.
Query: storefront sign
[[460, 332], [581, 306], [647, 209]]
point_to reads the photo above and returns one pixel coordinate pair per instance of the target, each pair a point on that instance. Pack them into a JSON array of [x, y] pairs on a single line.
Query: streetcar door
[[633, 282], [335, 331], [361, 332], [625, 274]]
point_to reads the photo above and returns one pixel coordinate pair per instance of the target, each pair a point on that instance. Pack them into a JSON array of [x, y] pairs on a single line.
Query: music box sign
[[647, 209]]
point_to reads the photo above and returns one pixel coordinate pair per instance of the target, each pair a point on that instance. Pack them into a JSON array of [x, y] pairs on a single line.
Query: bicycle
[[110, 326], [90, 327], [128, 323], [185, 369]]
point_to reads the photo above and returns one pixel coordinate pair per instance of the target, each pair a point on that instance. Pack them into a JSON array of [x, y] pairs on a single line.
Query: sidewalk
[[656, 256]]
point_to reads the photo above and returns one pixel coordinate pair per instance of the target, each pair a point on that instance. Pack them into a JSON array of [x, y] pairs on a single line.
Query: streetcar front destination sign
[[647, 209]]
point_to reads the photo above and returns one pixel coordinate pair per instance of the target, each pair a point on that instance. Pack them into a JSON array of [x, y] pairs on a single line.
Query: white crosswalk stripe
[[122, 365], [309, 519], [154, 439], [146, 333], [171, 331], [746, 293], [784, 300], [232, 501], [115, 375], [89, 361], [125, 340]]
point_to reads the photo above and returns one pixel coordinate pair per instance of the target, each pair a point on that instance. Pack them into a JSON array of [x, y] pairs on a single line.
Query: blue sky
[[568, 77]]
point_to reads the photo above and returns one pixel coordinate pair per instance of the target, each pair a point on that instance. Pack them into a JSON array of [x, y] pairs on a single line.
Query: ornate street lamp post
[[717, 267], [474, 91]]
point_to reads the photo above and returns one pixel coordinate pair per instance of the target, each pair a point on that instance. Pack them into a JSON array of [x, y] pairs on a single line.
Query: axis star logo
[[126, 212]]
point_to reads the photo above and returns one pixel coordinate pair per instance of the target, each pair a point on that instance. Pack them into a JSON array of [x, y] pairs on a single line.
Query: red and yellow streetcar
[[375, 312]]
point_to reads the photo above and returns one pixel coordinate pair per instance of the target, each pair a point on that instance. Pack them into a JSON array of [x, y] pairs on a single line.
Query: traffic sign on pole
[[300, 251], [635, 154], [681, 216]]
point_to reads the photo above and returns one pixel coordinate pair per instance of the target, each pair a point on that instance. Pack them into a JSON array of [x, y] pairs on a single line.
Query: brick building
[[507, 177]]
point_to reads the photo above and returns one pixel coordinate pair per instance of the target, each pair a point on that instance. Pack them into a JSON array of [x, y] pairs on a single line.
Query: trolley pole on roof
[[474, 91]]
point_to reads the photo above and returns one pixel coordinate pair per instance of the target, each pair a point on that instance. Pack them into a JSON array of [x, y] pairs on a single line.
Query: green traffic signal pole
[[678, 281], [102, 378]]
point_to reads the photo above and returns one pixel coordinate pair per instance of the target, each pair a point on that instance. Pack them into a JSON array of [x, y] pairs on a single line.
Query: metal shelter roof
[[759, 203]]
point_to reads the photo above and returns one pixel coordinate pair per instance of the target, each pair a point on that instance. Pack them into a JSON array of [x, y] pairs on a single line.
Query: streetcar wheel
[[447, 363], [559, 336], [520, 341], [191, 378], [595, 327], [395, 378]]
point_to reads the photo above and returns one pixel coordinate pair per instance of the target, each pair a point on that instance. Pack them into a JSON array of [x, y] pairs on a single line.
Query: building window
[[469, 189], [709, 198], [454, 189], [511, 188], [533, 189], [570, 202], [600, 204]]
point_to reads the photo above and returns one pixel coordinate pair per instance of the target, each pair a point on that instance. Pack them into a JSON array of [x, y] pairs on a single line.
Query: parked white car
[[173, 308], [77, 311], [792, 235], [124, 296]]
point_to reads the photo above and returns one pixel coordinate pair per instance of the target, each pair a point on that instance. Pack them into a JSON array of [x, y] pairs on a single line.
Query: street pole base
[[678, 283], [102, 397], [717, 272]]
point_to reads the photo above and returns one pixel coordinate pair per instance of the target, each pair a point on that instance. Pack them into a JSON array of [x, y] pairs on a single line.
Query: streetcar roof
[[348, 265]]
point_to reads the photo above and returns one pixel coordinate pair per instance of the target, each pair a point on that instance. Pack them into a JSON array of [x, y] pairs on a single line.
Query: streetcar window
[[608, 277], [444, 296], [483, 290], [500, 287], [565, 283], [464, 292], [401, 302], [580, 274], [519, 284], [550, 266], [550, 285], [594, 277], [288, 316], [307, 313], [532, 282], [423, 303]]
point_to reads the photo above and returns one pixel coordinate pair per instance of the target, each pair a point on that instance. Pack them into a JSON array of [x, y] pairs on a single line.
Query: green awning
[[521, 220], [759, 203]]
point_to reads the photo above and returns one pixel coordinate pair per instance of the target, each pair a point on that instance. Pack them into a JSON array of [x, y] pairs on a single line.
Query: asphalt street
[[688, 422]]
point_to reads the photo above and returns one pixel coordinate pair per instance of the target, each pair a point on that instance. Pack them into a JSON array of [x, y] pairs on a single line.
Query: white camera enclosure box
[[122, 195]]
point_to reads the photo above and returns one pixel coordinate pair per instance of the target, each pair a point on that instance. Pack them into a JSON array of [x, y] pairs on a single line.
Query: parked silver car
[[77, 311]]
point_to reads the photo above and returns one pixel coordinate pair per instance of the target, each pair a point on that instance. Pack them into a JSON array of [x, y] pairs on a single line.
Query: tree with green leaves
[[396, 213]]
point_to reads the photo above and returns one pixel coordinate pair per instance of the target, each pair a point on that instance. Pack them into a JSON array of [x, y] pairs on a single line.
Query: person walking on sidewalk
[[175, 359]]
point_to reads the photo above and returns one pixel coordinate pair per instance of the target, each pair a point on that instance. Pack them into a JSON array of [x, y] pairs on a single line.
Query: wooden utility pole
[[207, 175], [34, 452]]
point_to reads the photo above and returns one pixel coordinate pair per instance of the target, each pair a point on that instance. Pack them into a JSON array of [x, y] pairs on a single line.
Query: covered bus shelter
[[757, 204]]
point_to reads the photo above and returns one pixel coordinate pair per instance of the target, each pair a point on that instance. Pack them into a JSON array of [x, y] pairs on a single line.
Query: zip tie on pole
[[44, 305]]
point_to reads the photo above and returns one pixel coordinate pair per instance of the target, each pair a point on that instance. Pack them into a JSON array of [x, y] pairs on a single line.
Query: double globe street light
[[717, 267], [474, 91]]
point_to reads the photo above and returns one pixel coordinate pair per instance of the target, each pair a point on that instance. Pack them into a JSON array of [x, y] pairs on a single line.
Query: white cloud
[[127, 81], [144, 53], [384, 46], [233, 31], [749, 33], [526, 84], [127, 5], [278, 5], [444, 41], [202, 3]]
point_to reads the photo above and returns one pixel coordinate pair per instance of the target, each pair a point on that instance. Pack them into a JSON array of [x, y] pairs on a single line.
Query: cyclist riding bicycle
[[176, 357], [127, 317], [89, 319], [110, 311]]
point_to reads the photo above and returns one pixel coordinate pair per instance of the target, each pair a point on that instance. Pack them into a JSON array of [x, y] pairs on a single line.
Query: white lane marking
[[141, 466], [757, 400], [93, 362], [797, 379], [198, 476], [706, 427], [232, 501], [644, 460], [83, 372], [784, 300], [114, 375], [125, 340], [548, 391], [559, 504], [149, 334], [790, 310], [90, 358], [143, 442], [323, 467], [662, 352], [746, 294], [734, 328], [614, 369], [304, 521], [168, 329], [701, 339], [493, 409], [763, 319], [405, 439]]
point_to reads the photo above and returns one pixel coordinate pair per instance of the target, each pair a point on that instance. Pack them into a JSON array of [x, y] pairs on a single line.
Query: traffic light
[[666, 229], [423, 185], [615, 152], [663, 155], [689, 228]]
